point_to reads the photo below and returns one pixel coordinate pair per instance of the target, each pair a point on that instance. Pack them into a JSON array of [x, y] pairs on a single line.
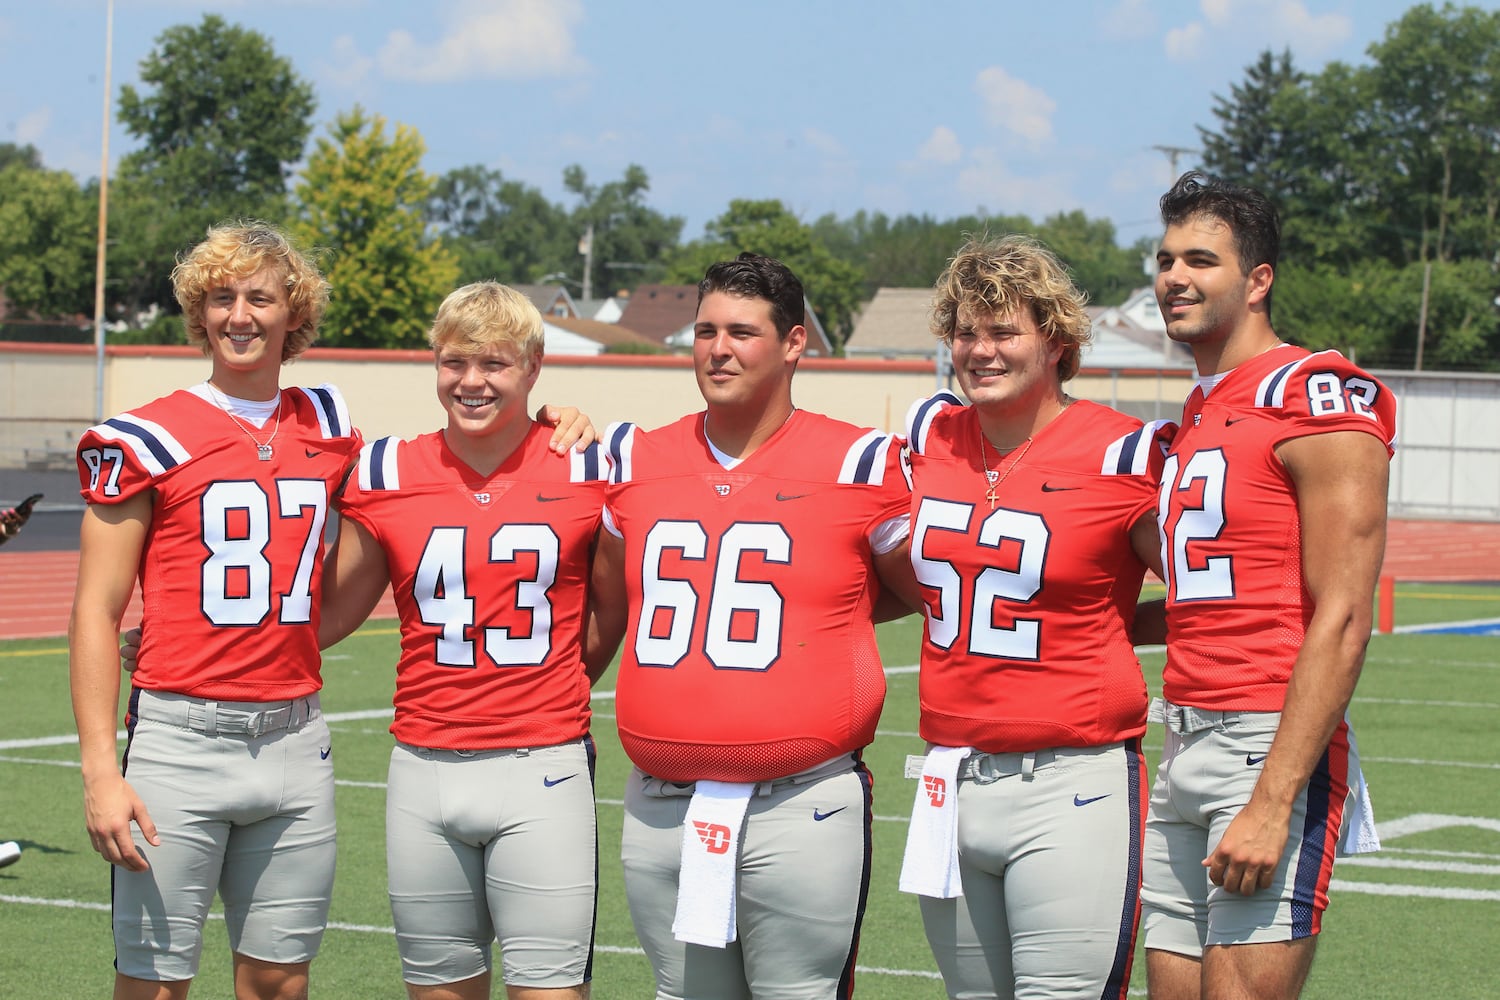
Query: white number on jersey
[[1182, 525], [96, 459], [442, 594], [1328, 396], [236, 576], [1023, 640], [734, 600]]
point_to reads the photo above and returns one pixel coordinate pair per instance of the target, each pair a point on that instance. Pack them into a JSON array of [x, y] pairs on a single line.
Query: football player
[[1033, 523], [486, 537], [1272, 517], [749, 542]]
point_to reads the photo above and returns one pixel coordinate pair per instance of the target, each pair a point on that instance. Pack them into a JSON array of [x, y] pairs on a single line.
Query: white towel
[[710, 856], [1359, 835], [930, 867]]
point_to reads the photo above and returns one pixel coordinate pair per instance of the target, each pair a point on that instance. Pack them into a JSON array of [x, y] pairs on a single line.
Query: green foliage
[[26, 156], [364, 199], [631, 347], [1379, 170], [498, 229], [631, 241], [48, 239], [221, 119], [766, 227]]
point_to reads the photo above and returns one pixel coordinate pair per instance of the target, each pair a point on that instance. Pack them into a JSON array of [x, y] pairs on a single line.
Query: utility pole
[[109, 35], [586, 247], [1172, 153]]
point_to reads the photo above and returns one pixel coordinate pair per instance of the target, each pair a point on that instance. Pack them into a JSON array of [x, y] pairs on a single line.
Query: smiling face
[[1005, 365], [1203, 292], [246, 321], [742, 364], [485, 392]]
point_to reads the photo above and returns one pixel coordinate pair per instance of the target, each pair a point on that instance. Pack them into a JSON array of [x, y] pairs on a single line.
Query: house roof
[[549, 299], [666, 313], [601, 334], [1129, 335]]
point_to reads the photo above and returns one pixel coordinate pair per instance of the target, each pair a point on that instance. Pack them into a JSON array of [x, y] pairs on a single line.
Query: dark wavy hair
[[753, 276]]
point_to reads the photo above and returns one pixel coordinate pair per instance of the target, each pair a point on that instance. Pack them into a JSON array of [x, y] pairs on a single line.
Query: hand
[[10, 523], [109, 807], [574, 429], [1246, 857], [130, 649]]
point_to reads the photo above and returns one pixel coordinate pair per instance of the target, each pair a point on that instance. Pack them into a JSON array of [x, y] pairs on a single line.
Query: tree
[[1098, 264], [364, 199], [499, 229], [48, 234], [1251, 144], [630, 240], [26, 155], [221, 119], [766, 227]]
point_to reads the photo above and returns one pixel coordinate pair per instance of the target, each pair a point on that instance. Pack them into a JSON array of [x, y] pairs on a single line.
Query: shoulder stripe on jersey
[[333, 413], [864, 462], [919, 418], [1131, 455], [378, 468], [619, 441], [1272, 390], [588, 466], [154, 447]]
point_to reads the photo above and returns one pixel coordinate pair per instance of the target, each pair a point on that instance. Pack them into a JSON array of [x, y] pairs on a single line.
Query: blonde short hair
[[238, 250], [477, 315], [1009, 274]]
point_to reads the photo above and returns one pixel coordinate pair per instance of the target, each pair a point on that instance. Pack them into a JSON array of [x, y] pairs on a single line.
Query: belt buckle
[[256, 723]]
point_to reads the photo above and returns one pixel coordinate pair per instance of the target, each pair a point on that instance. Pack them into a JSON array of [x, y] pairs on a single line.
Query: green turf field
[[1420, 919]]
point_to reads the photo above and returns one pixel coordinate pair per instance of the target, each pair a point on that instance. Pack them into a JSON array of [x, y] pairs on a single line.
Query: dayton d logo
[[937, 790], [715, 836]]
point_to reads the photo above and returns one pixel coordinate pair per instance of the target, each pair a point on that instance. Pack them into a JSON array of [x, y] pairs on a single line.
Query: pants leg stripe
[[846, 978], [1117, 984], [1325, 804]]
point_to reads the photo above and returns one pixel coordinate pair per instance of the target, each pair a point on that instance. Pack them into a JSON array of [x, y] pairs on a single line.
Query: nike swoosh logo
[[794, 496], [1049, 488], [1233, 420], [323, 752], [542, 499], [311, 453], [1251, 760], [1079, 801], [549, 782], [819, 817]]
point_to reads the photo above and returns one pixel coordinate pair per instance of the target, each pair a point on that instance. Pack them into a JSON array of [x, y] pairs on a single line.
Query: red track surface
[[36, 588]]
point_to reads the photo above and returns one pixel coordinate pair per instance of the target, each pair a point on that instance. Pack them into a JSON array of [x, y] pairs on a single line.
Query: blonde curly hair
[[1016, 272], [477, 315], [232, 251]]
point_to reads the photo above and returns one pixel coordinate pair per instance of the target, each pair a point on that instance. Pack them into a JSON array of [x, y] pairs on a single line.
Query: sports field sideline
[[1420, 918]]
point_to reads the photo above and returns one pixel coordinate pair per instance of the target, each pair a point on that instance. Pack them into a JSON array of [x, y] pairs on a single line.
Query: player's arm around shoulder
[[604, 624], [111, 541], [355, 574], [1341, 480]]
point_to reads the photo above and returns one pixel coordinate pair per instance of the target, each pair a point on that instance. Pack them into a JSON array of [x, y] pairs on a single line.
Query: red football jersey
[[1029, 602], [749, 653], [490, 575], [233, 562], [1237, 604]]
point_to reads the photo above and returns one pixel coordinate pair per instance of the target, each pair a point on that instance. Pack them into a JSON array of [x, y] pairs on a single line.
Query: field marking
[[1408, 891], [335, 925], [1427, 704], [1451, 867]]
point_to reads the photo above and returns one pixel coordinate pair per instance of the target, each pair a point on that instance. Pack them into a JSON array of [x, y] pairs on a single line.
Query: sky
[[831, 106]]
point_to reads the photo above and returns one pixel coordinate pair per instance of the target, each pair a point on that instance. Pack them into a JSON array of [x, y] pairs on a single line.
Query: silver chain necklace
[[263, 450]]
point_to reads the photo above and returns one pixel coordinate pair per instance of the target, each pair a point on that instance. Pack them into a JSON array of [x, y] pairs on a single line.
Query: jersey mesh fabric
[[1237, 604], [501, 667], [231, 573], [782, 673]]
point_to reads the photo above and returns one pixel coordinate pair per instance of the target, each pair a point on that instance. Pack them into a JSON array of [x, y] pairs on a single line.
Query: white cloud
[[33, 126], [823, 142], [1129, 19], [988, 182], [1186, 43], [1276, 24], [508, 39], [942, 146], [1015, 104], [350, 67]]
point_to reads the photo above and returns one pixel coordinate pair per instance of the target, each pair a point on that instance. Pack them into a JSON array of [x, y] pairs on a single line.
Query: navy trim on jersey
[[592, 458], [615, 446], [330, 409], [1270, 389], [1129, 444], [866, 464], [919, 421], [377, 463], [145, 437]]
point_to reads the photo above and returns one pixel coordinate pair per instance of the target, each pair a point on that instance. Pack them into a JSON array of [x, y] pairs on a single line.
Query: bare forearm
[[94, 674]]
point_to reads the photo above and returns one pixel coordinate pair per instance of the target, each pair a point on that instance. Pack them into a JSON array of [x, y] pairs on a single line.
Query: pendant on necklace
[[263, 452]]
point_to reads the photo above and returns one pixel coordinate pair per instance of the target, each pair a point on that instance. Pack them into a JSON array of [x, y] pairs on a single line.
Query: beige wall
[[48, 395]]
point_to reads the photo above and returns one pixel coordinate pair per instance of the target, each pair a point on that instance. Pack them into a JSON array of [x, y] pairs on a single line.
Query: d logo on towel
[[937, 790], [715, 836]]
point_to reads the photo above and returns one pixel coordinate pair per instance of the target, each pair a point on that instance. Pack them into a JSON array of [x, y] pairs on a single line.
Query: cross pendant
[[991, 497]]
